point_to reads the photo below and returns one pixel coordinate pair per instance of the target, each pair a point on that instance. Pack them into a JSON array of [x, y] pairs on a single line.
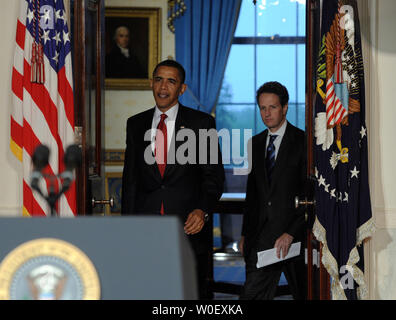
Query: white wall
[[381, 114], [10, 167]]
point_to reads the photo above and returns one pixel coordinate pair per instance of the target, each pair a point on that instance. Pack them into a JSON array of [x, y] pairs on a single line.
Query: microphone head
[[72, 157], [40, 157]]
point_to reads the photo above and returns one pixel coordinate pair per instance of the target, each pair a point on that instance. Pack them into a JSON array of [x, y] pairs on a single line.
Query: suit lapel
[[260, 159], [147, 125]]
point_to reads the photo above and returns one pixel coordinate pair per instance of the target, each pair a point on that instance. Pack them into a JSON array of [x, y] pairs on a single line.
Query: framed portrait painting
[[132, 45]]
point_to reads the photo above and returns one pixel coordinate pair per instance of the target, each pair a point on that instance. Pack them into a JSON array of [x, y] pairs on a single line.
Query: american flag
[[43, 113]]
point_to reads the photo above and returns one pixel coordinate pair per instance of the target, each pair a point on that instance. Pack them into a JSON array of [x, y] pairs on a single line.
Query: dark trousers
[[261, 283], [202, 269]]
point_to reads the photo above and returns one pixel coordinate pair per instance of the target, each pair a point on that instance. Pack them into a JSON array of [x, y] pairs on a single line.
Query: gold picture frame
[[114, 157], [144, 47]]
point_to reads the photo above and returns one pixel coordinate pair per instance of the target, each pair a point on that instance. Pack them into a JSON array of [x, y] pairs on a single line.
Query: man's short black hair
[[275, 88], [173, 64]]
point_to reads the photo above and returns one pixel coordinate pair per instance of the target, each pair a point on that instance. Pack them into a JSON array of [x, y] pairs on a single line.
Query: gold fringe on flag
[[331, 265]]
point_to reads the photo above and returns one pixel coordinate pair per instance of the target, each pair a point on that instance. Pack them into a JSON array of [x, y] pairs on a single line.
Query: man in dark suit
[[278, 174], [167, 184]]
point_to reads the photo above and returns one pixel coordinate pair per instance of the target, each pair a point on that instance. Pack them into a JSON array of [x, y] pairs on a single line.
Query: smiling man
[[270, 220], [189, 190]]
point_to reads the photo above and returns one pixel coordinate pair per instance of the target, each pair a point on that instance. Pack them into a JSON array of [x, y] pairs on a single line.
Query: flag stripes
[[335, 111]]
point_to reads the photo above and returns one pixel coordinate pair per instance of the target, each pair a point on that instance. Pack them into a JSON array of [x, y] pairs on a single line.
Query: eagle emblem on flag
[[338, 81]]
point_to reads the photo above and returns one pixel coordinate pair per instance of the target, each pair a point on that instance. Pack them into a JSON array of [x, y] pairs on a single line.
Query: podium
[[109, 258]]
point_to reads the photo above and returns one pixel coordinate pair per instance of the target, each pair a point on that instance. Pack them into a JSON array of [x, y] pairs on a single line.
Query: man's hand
[[282, 245], [195, 222]]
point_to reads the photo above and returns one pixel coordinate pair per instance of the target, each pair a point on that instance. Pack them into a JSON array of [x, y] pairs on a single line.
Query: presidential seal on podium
[[48, 269]]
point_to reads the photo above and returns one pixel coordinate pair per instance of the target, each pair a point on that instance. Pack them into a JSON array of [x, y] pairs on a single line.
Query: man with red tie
[[166, 185]]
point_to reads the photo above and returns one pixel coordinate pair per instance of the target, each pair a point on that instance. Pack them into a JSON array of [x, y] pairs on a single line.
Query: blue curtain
[[203, 41]]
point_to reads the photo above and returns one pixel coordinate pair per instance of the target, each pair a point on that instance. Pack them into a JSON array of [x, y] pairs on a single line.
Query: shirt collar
[[124, 51], [281, 131], [171, 113]]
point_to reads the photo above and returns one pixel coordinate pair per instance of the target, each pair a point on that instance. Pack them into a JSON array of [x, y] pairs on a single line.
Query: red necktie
[[161, 149]]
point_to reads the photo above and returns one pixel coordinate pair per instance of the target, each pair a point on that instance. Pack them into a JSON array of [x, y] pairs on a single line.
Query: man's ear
[[151, 83], [285, 108], [183, 89]]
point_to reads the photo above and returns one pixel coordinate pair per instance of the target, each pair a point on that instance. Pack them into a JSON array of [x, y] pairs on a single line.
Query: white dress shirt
[[169, 121], [278, 140]]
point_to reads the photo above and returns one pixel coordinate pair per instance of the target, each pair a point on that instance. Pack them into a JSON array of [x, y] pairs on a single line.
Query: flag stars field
[[333, 193], [59, 14]]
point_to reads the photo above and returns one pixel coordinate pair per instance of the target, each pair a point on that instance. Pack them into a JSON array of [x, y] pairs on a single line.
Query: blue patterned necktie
[[270, 159]]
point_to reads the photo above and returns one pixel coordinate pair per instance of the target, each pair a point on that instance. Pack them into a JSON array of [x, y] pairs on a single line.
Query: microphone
[[72, 157], [40, 157], [40, 161], [72, 160]]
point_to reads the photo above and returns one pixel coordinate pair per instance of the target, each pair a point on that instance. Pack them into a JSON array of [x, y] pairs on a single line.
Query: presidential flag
[[343, 208], [43, 110]]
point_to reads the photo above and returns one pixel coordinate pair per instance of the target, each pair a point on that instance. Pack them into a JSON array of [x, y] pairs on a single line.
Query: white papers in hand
[[267, 257]]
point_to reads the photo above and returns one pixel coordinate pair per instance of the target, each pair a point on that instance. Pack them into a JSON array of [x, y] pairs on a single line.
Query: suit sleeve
[[212, 182], [128, 194]]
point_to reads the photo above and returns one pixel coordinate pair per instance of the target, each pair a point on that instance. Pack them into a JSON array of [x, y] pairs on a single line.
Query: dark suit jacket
[[184, 187], [270, 210]]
